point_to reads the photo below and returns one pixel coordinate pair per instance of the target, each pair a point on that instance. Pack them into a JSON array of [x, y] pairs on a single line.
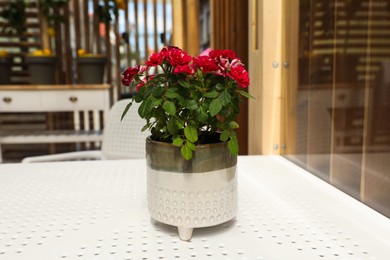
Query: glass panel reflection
[[343, 97]]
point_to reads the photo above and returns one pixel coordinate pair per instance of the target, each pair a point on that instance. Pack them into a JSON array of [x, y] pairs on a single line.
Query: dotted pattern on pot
[[202, 199], [98, 210], [194, 213]]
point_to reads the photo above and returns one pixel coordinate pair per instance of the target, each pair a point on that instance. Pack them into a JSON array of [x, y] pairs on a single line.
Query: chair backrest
[[124, 139]]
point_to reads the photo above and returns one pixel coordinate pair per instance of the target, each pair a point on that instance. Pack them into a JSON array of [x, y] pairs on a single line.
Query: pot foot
[[185, 233]]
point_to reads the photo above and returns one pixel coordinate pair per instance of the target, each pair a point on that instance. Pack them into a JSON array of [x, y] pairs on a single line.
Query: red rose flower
[[206, 64], [236, 62], [170, 47], [155, 59], [229, 54], [177, 57], [240, 75], [184, 69], [164, 51], [225, 64], [215, 54], [129, 73]]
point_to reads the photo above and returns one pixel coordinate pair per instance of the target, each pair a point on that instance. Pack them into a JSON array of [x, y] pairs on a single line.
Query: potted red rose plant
[[190, 104]]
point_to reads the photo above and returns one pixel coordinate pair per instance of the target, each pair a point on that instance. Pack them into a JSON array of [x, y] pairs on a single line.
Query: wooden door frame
[[265, 73], [290, 64], [273, 71]]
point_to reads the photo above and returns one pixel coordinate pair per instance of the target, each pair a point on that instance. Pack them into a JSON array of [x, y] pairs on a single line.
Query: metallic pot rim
[[198, 146]]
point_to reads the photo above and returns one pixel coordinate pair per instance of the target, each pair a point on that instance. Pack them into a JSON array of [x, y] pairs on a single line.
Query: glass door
[[336, 92]]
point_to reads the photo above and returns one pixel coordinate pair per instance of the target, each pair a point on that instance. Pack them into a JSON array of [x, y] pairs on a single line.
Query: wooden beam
[[178, 24], [165, 22], [265, 62], [146, 32], [186, 31], [255, 72], [127, 29], [290, 32], [44, 35], [137, 56], [68, 48], [192, 27], [77, 20], [155, 36]]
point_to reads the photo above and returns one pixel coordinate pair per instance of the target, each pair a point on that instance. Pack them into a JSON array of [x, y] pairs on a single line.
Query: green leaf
[[172, 127], [200, 74], [224, 136], [225, 97], [215, 107], [178, 141], [245, 94], [224, 111], [172, 94], [157, 101], [184, 83], [169, 107], [205, 106], [191, 145], [126, 109], [145, 91], [158, 92], [172, 89], [145, 107], [233, 145], [138, 98], [191, 134], [202, 115], [179, 123], [191, 104], [233, 125], [236, 107], [186, 152], [145, 127], [211, 94], [181, 100]]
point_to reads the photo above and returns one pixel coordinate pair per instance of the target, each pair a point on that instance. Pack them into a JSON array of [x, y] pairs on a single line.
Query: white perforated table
[[98, 210]]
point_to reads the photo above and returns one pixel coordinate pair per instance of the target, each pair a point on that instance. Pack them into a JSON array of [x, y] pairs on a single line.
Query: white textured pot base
[[192, 200]]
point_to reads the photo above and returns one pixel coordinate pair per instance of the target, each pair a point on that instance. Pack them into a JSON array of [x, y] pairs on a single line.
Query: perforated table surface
[[98, 210]]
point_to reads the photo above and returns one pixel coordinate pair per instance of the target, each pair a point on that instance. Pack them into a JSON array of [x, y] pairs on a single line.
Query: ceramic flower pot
[[42, 69], [5, 68], [201, 192], [91, 69]]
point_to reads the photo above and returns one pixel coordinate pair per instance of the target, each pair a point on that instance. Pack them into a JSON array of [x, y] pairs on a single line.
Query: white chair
[[121, 139]]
